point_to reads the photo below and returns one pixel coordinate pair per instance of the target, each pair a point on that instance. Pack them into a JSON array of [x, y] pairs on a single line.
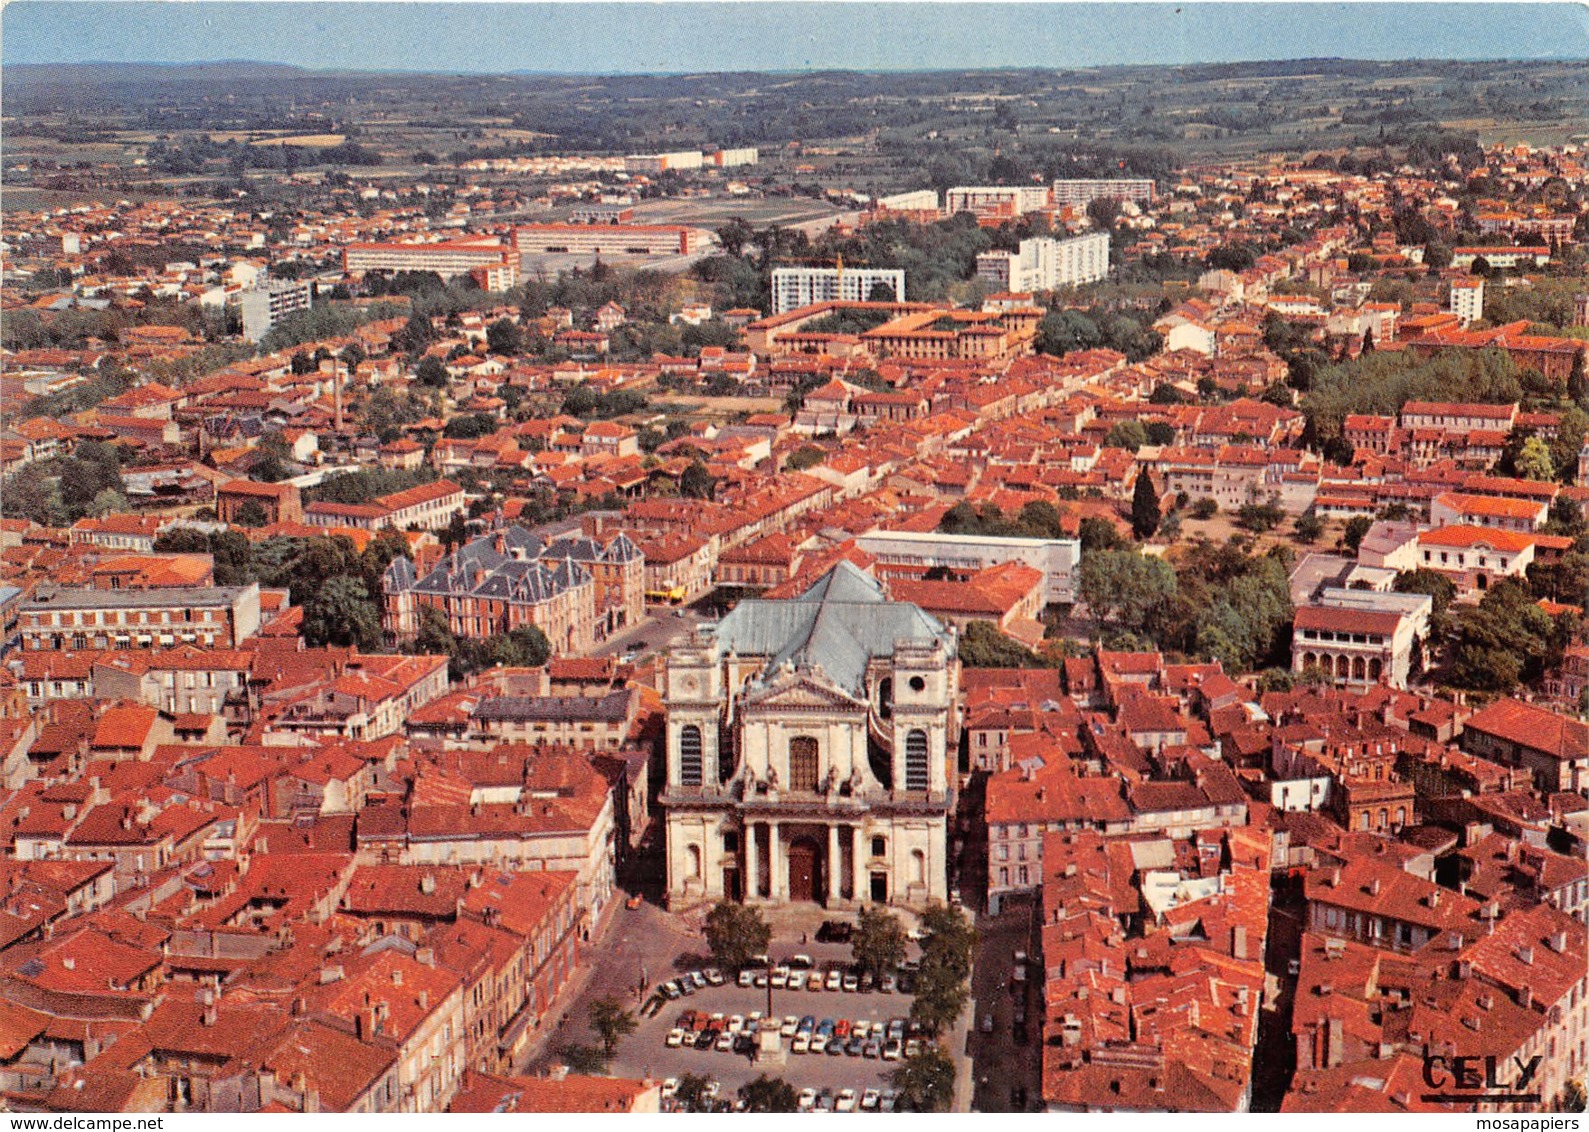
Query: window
[[803, 763], [690, 755], [916, 777], [1021, 877], [879, 846]]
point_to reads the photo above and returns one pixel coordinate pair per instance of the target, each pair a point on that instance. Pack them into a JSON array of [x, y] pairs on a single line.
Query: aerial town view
[[733, 579]]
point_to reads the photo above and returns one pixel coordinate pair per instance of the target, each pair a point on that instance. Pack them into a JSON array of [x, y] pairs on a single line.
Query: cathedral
[[809, 751]]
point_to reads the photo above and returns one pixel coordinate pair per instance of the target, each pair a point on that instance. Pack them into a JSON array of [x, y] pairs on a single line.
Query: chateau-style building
[[809, 748]]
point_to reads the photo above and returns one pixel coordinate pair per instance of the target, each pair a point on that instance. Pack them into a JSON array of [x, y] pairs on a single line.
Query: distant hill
[[108, 74]]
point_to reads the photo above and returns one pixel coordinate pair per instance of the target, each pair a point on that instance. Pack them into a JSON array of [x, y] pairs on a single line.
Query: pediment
[[801, 692]]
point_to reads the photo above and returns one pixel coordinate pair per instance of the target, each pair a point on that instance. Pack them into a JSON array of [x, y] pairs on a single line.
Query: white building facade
[[809, 748]]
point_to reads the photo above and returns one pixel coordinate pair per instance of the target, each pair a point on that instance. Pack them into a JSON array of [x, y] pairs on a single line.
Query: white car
[[747, 977], [851, 983], [869, 1100], [818, 1044], [800, 962], [670, 1088], [780, 977], [725, 1042], [711, 1090], [801, 1044], [797, 980], [790, 1025], [845, 1101], [834, 980], [736, 1023], [675, 1038], [889, 1100], [892, 1051], [807, 1100]]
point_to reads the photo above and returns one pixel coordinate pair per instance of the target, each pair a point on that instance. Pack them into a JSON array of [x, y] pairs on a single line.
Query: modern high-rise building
[[1080, 193], [1467, 299], [996, 200], [1045, 264], [795, 287], [267, 304]]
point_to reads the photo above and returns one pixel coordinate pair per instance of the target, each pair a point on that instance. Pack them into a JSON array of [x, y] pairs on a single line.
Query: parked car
[[670, 1088], [818, 1044], [835, 979], [671, 989], [868, 983], [801, 1044], [714, 976], [789, 1026], [889, 1101], [725, 1041], [674, 1039], [892, 1050], [854, 1047], [806, 1101], [807, 1024], [845, 1101], [888, 984], [800, 963], [841, 1028], [825, 1027], [851, 983], [705, 1040], [870, 1099], [747, 977], [797, 980], [698, 979]]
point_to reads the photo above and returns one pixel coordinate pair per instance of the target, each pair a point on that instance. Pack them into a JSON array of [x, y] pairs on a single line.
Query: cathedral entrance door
[[805, 870]]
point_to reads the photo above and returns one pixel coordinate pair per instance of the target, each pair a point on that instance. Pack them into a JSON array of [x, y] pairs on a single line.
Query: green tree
[[941, 997], [1203, 508], [1145, 513], [1503, 641], [250, 514], [431, 372], [1308, 527], [1533, 460], [949, 939], [611, 1022], [502, 337], [1260, 517], [342, 613], [1041, 519], [1356, 527], [109, 502], [983, 646], [878, 944], [926, 1081], [1098, 533], [1125, 589], [691, 1094], [769, 1094], [1437, 586], [735, 932], [586, 1061], [1129, 435], [806, 456], [697, 482]]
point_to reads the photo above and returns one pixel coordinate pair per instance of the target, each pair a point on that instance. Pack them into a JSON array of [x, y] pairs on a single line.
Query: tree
[[949, 939], [586, 1061], [109, 502], [735, 932], [1125, 589], [1533, 460], [983, 646], [1308, 527], [1203, 508], [611, 1022], [1129, 435], [250, 514], [697, 482], [1503, 641], [502, 337], [1260, 517], [926, 1081], [1356, 528], [806, 456], [456, 533], [1436, 585], [1098, 533], [769, 1094], [878, 944], [691, 1094], [342, 613], [431, 372], [1145, 513], [941, 997]]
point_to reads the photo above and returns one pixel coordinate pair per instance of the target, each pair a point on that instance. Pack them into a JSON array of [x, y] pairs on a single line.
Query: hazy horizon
[[775, 37]]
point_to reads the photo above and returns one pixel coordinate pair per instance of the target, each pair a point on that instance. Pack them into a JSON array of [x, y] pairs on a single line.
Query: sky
[[684, 37]]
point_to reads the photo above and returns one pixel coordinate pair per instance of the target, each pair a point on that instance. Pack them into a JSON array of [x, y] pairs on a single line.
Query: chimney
[[1558, 943], [426, 956], [1434, 898], [1525, 956], [1238, 941], [69, 963], [1525, 996], [424, 1000], [208, 1017], [1335, 1043], [397, 976], [1373, 887], [427, 884]]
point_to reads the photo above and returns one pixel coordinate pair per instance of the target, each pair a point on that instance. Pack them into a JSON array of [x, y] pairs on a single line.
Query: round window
[[917, 684]]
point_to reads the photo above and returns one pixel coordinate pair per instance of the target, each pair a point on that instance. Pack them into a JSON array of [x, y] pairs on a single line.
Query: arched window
[[803, 763], [689, 755], [1401, 816], [916, 777], [885, 697], [1376, 669], [692, 861], [918, 867]]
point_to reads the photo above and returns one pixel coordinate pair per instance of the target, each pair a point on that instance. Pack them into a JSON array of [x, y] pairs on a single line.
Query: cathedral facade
[[809, 748]]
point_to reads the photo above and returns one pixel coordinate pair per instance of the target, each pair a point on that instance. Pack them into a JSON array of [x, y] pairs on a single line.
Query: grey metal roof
[[611, 708], [840, 623]]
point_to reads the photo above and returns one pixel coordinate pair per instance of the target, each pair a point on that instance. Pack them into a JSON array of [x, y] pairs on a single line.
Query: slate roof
[[840, 623]]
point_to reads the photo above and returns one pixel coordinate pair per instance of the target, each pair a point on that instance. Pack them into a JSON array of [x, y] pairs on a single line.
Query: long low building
[[609, 239], [1058, 559], [447, 259], [210, 616]]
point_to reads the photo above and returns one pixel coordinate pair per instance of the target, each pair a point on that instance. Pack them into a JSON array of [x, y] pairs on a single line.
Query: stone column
[[777, 882], [857, 864], [752, 884], [835, 860]]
